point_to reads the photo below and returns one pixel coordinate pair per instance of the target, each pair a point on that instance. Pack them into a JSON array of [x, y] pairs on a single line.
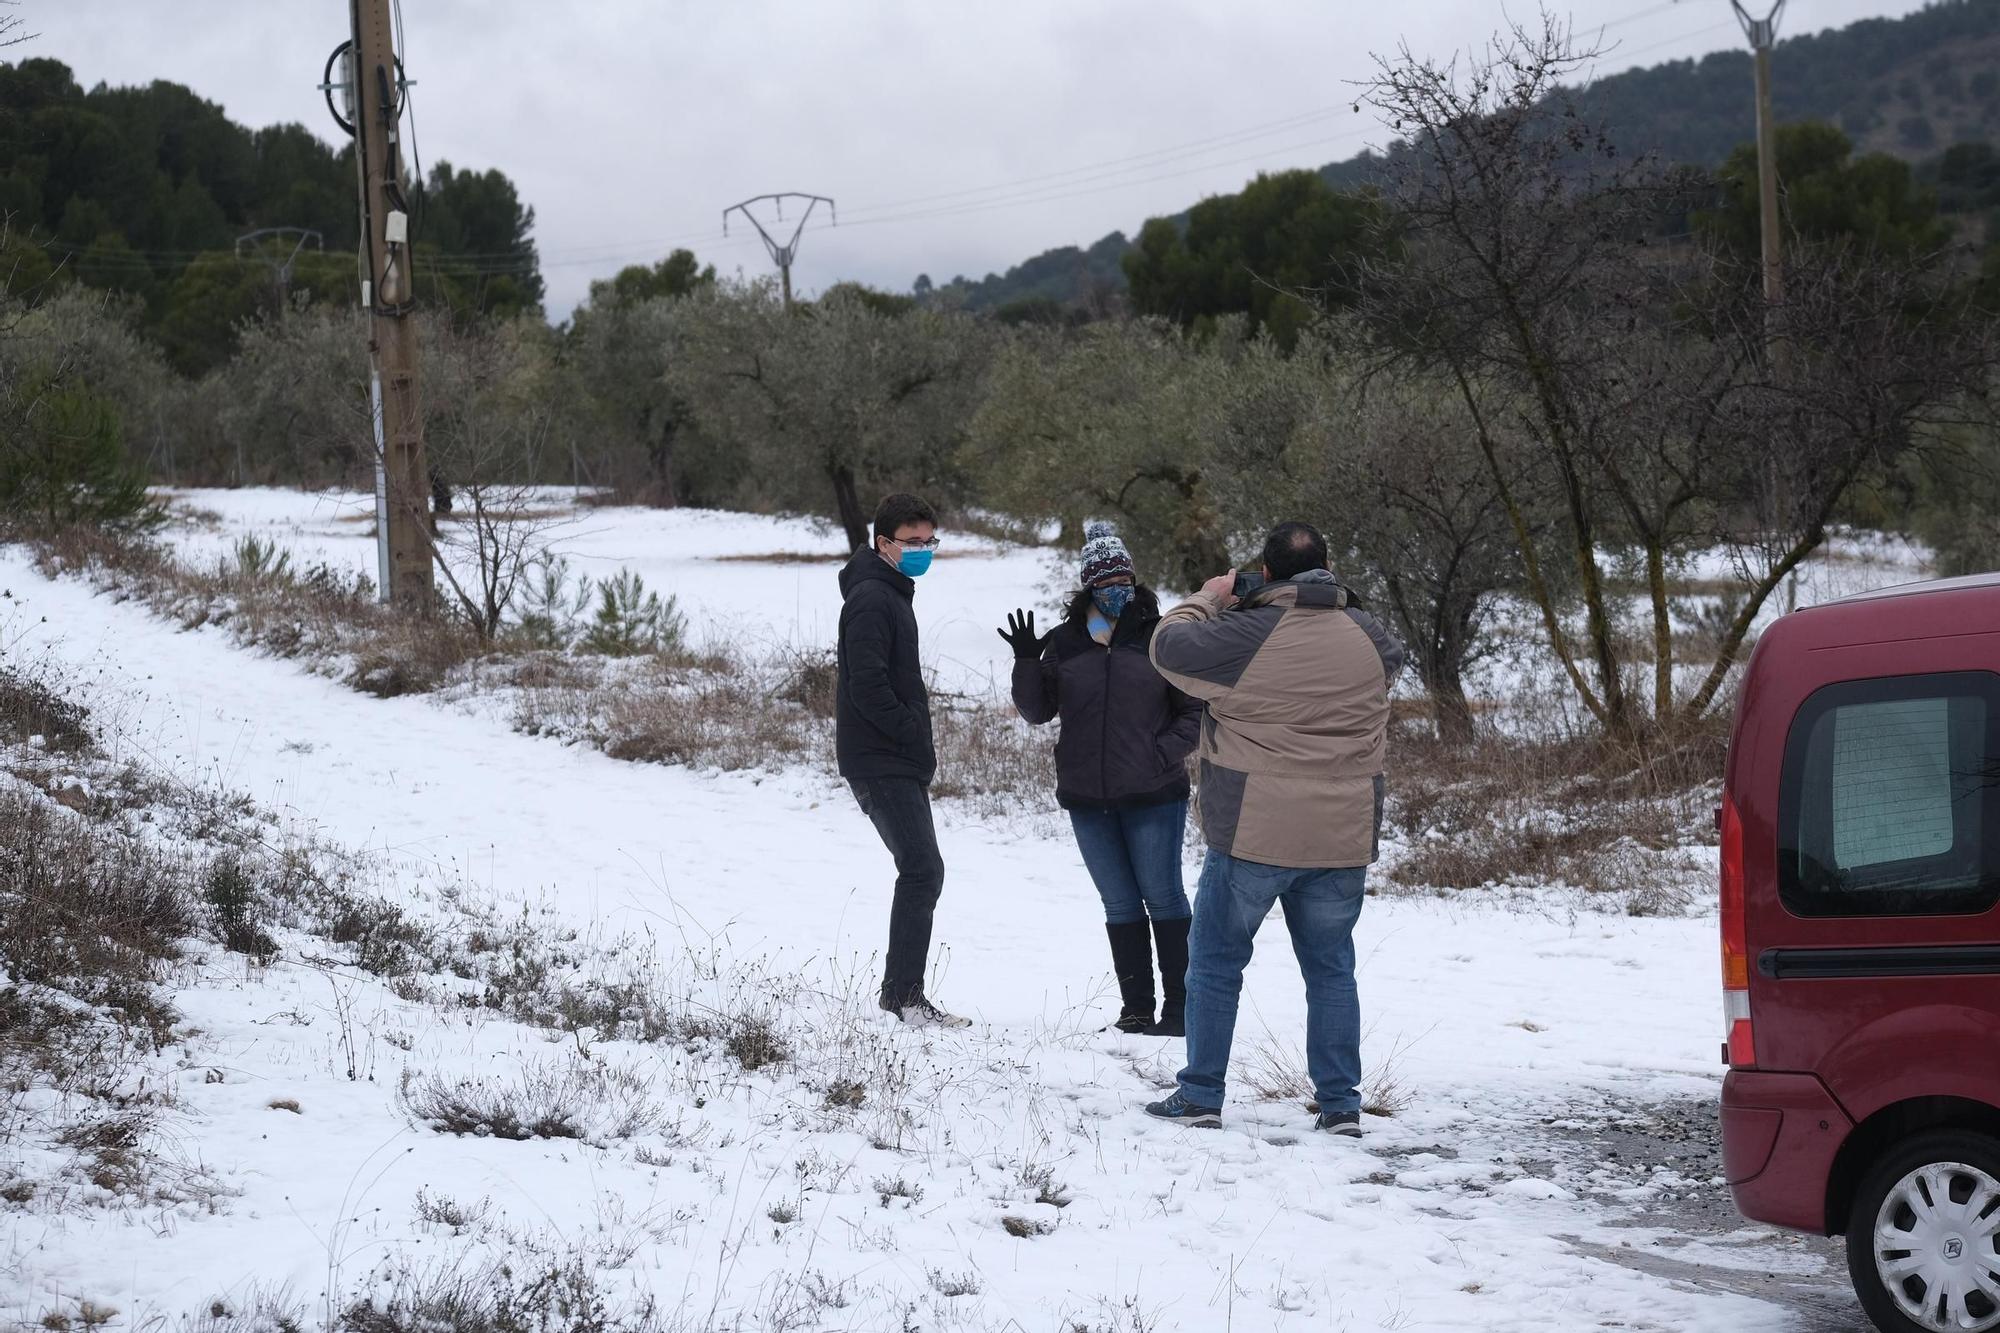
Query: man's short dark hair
[[1292, 549], [897, 511]]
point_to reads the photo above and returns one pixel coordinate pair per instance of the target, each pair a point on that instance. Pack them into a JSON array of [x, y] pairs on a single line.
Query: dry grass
[[88, 915], [716, 712], [1571, 810], [989, 759], [1275, 1071], [93, 918], [536, 1293], [571, 1099], [31, 708], [324, 617]]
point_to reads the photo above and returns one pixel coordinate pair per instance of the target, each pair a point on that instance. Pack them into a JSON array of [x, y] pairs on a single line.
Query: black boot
[[1132, 964], [1171, 939]]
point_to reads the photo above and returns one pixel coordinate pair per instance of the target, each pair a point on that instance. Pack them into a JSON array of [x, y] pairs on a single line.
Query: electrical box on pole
[[371, 78]]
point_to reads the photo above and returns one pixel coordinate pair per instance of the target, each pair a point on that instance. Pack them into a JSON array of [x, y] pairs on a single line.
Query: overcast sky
[[956, 137]]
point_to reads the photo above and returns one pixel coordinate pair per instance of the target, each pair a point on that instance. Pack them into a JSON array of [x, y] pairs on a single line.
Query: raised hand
[[1020, 635]]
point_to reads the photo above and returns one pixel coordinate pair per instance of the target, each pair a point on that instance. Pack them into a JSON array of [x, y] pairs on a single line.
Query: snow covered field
[[761, 1200]]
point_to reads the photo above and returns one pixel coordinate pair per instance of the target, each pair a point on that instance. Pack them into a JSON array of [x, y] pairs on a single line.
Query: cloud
[[630, 124]]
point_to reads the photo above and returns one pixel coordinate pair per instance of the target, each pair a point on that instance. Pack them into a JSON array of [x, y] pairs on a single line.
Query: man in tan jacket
[[1296, 681]]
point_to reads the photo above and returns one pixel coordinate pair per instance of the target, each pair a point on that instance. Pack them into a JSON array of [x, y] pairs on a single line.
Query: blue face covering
[[1113, 600], [913, 563]]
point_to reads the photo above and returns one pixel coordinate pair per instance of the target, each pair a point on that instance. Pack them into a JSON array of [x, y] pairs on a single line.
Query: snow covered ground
[[756, 1200]]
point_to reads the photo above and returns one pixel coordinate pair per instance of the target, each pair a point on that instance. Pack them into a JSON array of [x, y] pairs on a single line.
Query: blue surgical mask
[[1113, 600], [913, 563]]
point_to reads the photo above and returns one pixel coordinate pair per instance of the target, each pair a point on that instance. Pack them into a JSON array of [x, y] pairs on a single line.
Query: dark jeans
[[1321, 907], [1134, 858], [900, 809]]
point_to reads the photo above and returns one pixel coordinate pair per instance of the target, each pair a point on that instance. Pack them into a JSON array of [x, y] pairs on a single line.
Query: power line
[[1117, 165], [1126, 172]]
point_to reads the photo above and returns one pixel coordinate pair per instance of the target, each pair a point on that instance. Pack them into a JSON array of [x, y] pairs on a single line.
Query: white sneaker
[[921, 1013]]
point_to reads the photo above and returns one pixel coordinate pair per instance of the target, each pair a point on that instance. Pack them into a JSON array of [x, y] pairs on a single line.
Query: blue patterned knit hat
[[1104, 555]]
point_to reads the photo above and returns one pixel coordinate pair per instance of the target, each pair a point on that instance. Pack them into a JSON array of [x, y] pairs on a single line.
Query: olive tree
[[1110, 420], [1390, 471], [829, 404]]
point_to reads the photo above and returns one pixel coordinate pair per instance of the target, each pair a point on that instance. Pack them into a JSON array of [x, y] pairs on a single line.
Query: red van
[[1861, 945]]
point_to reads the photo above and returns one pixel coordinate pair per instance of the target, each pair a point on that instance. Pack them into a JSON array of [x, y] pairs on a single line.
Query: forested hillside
[[1911, 87], [146, 192]]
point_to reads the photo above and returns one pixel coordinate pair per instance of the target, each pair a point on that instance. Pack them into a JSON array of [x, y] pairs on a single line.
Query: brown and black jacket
[[1296, 680]]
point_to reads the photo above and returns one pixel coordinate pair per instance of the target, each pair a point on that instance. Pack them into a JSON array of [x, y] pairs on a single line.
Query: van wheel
[[1923, 1239]]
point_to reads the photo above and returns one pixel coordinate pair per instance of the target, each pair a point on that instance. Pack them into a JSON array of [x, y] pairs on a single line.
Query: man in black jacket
[[882, 735]]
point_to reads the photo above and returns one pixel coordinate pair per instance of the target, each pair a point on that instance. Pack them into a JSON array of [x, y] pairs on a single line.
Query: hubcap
[[1935, 1247]]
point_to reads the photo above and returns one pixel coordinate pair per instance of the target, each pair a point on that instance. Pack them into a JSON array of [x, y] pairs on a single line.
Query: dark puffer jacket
[[882, 712], [1126, 732]]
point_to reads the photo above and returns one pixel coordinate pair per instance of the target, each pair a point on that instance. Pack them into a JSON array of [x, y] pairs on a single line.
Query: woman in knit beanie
[[1121, 767]]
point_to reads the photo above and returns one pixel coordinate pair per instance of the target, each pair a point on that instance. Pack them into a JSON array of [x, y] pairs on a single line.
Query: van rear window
[[1891, 798]]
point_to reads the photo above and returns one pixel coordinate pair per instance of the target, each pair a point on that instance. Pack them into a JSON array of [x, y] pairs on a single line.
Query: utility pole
[[374, 85], [781, 255], [1763, 35]]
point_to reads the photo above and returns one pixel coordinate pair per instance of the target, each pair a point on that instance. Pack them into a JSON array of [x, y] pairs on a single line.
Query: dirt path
[[1659, 1168]]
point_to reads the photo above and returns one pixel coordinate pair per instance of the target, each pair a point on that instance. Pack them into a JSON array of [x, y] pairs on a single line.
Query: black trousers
[[900, 809]]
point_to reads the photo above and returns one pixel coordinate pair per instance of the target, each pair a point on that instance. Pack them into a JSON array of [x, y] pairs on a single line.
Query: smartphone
[[1247, 584]]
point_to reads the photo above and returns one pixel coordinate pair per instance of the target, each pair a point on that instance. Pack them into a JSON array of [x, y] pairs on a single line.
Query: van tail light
[[1739, 1049]]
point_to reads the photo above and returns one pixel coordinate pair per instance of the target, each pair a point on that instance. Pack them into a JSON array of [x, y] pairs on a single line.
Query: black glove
[[1020, 636]]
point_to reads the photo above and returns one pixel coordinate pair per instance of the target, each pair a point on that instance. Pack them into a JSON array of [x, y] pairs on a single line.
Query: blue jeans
[[1321, 907], [1134, 858]]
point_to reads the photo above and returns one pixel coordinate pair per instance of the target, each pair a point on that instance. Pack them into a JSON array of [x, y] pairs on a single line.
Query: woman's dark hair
[[897, 510], [1292, 549], [1145, 604]]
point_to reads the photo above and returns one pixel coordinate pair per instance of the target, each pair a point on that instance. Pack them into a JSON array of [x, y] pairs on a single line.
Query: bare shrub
[[989, 758], [1026, 1228], [845, 1094], [90, 916], [888, 1188], [1579, 810], [755, 1043], [951, 1286], [441, 1210], [810, 678], [1384, 1093], [1042, 1180], [562, 1294], [404, 656], [30, 707], [325, 617], [703, 720], [571, 1099], [260, 1310], [1276, 1072]]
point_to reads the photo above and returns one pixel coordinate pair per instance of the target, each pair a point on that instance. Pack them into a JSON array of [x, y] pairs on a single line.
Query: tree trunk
[[1663, 633], [1450, 708], [847, 504], [660, 460]]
